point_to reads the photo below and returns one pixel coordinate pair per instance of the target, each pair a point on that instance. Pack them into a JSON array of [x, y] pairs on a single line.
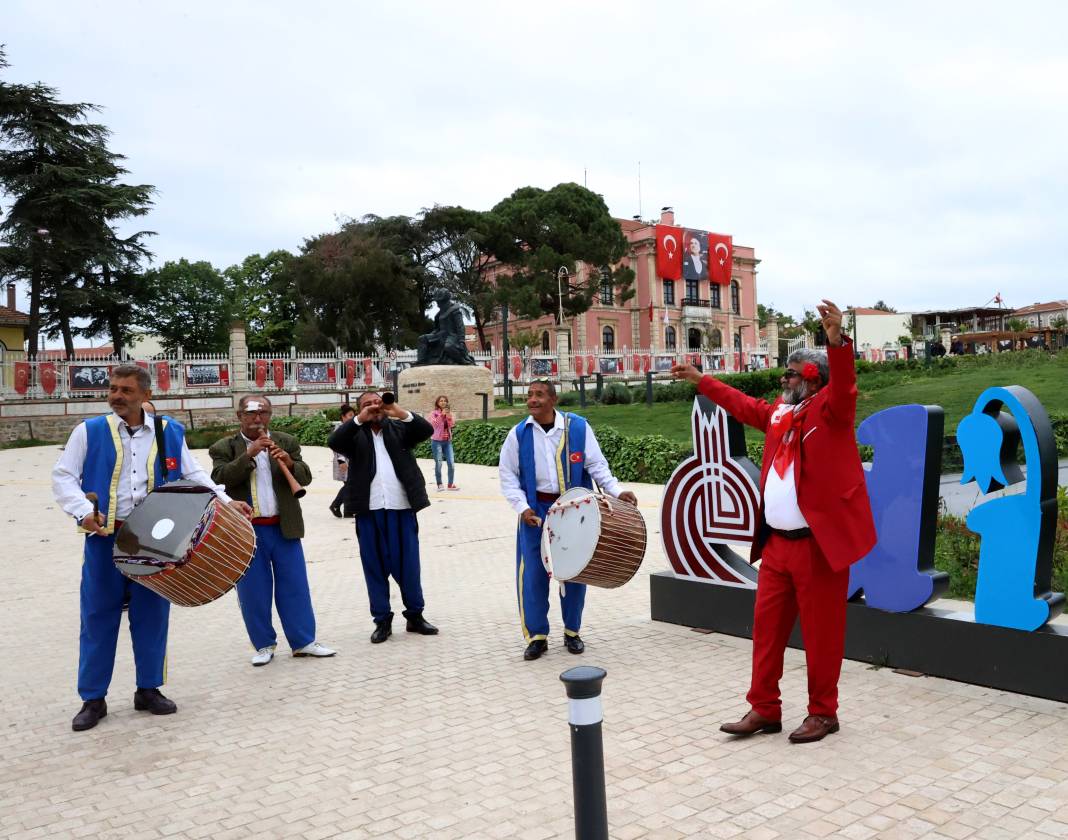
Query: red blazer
[[831, 490]]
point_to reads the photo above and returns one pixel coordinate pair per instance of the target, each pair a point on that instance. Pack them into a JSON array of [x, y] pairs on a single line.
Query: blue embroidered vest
[[570, 457], [103, 460]]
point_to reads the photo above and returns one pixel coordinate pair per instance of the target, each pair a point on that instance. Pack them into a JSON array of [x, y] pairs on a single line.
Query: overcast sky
[[910, 152]]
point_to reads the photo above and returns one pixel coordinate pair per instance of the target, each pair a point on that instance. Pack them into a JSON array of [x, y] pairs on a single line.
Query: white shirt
[[133, 476], [266, 501], [780, 494], [545, 464], [387, 493]]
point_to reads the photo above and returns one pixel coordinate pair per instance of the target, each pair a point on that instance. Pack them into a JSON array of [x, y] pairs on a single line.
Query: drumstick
[[92, 497]]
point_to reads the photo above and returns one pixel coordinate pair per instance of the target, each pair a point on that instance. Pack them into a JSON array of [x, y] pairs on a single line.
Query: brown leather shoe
[[751, 724], [815, 728]]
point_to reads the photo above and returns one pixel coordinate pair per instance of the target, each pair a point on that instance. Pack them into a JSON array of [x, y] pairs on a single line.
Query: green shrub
[[616, 393], [204, 436], [25, 443], [567, 399], [674, 392]]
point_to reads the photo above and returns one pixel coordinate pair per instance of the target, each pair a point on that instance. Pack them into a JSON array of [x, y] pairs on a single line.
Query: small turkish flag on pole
[[668, 252], [720, 257]]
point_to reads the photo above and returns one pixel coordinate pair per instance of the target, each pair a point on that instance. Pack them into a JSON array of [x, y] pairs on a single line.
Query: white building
[[877, 334]]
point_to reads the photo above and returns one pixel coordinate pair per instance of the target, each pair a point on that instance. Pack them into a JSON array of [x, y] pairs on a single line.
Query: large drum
[[592, 538], [184, 544]]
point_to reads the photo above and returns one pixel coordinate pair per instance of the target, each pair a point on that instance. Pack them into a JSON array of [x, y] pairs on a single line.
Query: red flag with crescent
[[647, 363], [163, 376], [579, 366], [591, 365], [517, 367], [368, 372], [669, 252], [278, 366], [22, 377], [224, 374], [350, 372], [720, 258], [47, 372], [261, 372], [637, 363]]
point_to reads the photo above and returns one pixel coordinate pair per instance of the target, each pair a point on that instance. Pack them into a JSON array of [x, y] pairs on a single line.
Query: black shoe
[[90, 715], [336, 510], [418, 624], [383, 630], [535, 649], [573, 643], [150, 700]]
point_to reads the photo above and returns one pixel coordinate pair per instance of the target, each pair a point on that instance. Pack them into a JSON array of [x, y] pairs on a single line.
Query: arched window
[[693, 339], [608, 340], [715, 339], [669, 338], [736, 306], [545, 342], [607, 292]]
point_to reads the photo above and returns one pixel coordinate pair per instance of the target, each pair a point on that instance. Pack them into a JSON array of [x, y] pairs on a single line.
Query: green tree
[[882, 307], [1016, 325], [265, 298], [355, 292], [535, 232], [188, 305]]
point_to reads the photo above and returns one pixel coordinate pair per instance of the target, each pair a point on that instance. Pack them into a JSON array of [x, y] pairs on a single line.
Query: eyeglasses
[[790, 373], [264, 413]]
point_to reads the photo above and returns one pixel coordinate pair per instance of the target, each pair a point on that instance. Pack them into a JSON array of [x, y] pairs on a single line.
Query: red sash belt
[[265, 520]]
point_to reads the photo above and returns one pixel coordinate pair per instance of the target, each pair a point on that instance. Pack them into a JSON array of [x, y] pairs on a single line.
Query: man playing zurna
[[117, 457], [545, 455]]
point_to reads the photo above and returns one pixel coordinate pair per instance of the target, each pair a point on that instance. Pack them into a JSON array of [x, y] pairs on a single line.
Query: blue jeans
[[442, 449]]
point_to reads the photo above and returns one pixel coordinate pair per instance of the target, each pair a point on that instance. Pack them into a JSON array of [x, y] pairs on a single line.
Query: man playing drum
[[266, 468], [543, 456], [116, 456]]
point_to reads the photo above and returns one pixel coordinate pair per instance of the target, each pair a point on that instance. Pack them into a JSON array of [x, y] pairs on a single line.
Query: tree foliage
[[265, 299], [188, 305]]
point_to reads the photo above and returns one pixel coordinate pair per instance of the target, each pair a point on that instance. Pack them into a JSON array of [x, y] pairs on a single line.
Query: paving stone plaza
[[455, 736]]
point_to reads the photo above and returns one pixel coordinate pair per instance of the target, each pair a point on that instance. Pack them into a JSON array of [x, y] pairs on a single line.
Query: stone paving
[[455, 736]]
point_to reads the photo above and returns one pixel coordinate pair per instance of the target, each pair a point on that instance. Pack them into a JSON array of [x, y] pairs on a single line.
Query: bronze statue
[[445, 345]]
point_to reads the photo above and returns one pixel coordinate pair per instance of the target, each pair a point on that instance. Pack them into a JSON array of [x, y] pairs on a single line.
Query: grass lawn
[[956, 392]]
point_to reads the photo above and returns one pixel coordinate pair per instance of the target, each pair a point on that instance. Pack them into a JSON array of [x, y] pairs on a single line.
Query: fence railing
[[184, 374]]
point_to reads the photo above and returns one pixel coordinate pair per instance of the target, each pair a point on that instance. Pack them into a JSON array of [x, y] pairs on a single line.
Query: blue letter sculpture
[[898, 573], [1017, 532]]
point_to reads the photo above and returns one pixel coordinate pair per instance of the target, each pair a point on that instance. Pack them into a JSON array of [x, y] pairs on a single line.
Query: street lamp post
[[561, 273]]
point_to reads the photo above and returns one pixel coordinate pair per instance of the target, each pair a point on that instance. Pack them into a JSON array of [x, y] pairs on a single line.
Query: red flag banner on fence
[[579, 366], [517, 367], [224, 374], [368, 372], [163, 376], [261, 372], [22, 377], [669, 252], [591, 365], [720, 257], [350, 372], [637, 363], [647, 363], [47, 372], [278, 366]]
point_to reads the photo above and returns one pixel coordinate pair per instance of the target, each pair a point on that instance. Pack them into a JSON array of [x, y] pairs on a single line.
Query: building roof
[[960, 310], [861, 310], [12, 317], [101, 352], [1034, 308]]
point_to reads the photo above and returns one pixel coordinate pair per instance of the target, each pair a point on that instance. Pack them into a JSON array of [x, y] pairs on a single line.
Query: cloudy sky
[[910, 152]]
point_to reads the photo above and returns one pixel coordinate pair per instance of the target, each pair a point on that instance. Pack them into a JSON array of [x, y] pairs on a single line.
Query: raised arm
[[840, 406], [748, 410]]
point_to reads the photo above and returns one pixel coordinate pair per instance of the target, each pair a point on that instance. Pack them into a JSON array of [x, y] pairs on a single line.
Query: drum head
[[159, 531], [571, 531]]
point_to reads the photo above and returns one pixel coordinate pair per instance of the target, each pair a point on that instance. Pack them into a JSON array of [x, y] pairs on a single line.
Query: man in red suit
[[815, 522]]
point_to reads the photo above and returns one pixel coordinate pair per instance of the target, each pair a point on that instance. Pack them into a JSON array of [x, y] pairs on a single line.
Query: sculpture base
[[931, 641], [464, 385]]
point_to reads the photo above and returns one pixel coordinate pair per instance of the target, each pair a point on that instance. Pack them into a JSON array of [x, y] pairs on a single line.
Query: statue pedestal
[[464, 385]]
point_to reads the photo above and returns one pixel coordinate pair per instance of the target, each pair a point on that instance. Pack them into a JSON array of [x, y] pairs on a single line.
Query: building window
[[715, 339], [736, 306], [607, 297], [691, 292], [669, 338], [608, 340], [669, 292], [716, 303], [545, 342], [693, 339]]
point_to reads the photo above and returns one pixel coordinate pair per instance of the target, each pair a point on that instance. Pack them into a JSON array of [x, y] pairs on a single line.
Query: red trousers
[[794, 578]]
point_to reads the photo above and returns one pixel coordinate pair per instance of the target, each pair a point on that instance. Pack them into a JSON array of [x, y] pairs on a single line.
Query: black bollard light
[[584, 715], [600, 386], [582, 392], [649, 388]]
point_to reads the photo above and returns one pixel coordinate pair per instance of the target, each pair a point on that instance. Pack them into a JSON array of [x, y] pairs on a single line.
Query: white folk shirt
[[266, 500], [387, 493], [133, 476], [546, 445], [781, 510]]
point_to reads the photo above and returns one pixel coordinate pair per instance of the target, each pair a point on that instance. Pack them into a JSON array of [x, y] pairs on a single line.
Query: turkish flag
[[350, 372], [368, 374], [669, 252], [720, 257], [517, 367], [163, 376], [224, 374], [279, 368], [647, 363], [591, 366], [637, 361], [261, 372], [47, 372], [22, 377], [579, 366]]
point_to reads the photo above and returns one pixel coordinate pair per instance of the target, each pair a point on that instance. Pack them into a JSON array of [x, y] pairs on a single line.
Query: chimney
[[667, 215], [11, 296]]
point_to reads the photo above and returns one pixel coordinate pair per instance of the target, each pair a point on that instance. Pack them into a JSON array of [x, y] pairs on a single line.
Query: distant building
[[1039, 315], [663, 315], [877, 333], [941, 323], [13, 324]]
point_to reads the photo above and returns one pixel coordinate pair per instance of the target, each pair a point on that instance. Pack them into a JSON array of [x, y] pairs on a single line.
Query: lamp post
[[561, 273]]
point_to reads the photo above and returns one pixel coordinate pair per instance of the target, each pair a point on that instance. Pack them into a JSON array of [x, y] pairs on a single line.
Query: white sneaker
[[263, 656], [315, 649]]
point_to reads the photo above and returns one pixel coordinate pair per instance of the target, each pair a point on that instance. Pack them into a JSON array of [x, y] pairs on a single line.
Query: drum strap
[[161, 448]]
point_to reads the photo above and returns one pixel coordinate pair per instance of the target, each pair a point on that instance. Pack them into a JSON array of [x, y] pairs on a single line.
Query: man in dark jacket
[[251, 464], [385, 490]]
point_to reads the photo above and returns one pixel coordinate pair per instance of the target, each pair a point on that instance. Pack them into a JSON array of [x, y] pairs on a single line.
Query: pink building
[[664, 316]]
